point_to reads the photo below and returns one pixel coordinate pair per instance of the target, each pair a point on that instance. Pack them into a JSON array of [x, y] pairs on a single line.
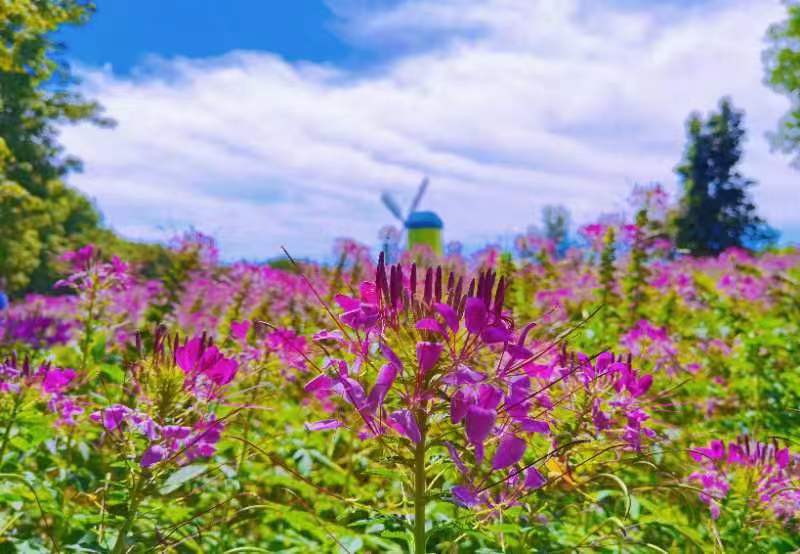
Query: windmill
[[422, 227]]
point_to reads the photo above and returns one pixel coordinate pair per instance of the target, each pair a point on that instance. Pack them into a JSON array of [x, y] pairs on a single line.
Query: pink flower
[[206, 368], [56, 380], [239, 330]]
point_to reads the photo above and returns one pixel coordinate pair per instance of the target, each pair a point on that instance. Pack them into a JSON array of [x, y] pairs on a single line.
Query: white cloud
[[507, 104]]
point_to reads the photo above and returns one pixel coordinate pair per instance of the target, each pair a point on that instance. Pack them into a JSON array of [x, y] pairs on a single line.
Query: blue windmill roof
[[424, 220]]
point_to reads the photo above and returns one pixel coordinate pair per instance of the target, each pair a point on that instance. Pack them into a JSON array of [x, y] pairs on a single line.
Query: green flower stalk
[[607, 291], [635, 283]]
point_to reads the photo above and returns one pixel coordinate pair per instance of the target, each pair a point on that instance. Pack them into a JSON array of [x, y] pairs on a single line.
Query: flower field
[[615, 398]]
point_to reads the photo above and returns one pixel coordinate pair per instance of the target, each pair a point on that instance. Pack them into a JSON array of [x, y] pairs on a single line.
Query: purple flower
[[324, 425], [475, 315], [509, 451], [495, 333], [56, 380], [404, 423], [204, 439], [428, 353], [449, 315], [319, 383], [535, 426], [458, 406], [465, 496], [383, 383], [175, 432], [154, 454], [430, 324], [479, 423], [534, 479], [715, 451], [111, 417], [463, 376], [144, 424], [782, 458], [393, 359], [451, 449]]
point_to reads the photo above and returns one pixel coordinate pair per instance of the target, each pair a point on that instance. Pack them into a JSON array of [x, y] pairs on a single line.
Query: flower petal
[[479, 423], [534, 479], [509, 451], [405, 424], [324, 424], [428, 353], [475, 315]]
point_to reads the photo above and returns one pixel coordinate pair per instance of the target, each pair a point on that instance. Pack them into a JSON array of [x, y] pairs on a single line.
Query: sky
[[279, 123]]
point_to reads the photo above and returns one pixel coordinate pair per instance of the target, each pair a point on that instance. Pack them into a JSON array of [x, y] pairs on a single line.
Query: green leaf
[[181, 476]]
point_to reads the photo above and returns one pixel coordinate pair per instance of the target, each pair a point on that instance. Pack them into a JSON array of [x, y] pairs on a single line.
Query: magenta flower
[[56, 380], [428, 354], [475, 315], [206, 368], [239, 330], [385, 380], [777, 472]]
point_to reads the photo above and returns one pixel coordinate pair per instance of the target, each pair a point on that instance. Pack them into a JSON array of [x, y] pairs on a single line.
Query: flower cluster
[[773, 471], [90, 272], [435, 361], [174, 391], [179, 442], [647, 341], [48, 383]]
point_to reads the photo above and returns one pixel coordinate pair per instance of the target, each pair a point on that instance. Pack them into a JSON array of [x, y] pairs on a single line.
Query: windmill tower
[[422, 227]]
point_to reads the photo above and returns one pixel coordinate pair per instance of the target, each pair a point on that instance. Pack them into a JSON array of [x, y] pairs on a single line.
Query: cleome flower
[[171, 416], [422, 362], [775, 472]]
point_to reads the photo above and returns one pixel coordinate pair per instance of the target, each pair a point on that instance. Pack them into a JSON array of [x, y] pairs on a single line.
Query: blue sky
[[125, 32], [270, 123]]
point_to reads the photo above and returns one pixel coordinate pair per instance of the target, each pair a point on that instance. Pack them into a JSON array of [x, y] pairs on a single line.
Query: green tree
[[556, 225], [22, 214], [716, 211], [782, 67], [36, 97]]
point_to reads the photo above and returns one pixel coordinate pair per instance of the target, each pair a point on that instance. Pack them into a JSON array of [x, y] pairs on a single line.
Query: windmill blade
[[391, 204], [423, 186]]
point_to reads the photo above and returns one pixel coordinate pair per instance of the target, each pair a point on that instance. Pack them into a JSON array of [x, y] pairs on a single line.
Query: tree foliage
[[782, 67], [42, 215], [716, 210], [556, 220]]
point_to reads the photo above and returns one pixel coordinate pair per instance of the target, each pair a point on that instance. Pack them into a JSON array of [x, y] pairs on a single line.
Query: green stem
[[420, 487], [119, 545], [88, 331], [7, 431]]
